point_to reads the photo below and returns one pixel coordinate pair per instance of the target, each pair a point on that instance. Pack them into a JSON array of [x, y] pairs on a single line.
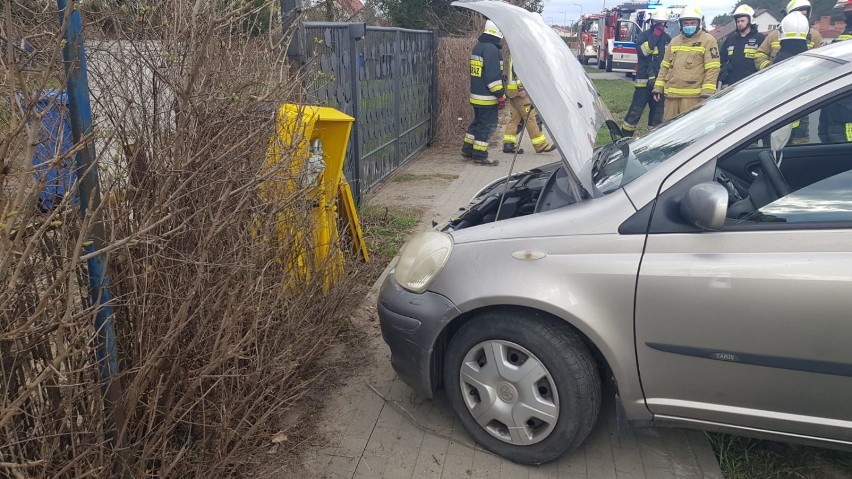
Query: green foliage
[[438, 14], [617, 94], [722, 20], [745, 458], [386, 230]]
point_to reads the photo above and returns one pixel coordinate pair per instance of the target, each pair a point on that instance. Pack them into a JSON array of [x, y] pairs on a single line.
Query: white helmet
[[491, 29], [796, 5], [692, 12], [660, 15], [744, 11], [844, 4], [794, 27]]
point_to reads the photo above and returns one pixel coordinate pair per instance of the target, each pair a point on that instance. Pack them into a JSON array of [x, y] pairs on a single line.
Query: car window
[[799, 172], [639, 155]]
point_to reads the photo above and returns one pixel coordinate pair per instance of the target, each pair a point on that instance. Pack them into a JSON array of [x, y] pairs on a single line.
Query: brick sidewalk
[[377, 427]]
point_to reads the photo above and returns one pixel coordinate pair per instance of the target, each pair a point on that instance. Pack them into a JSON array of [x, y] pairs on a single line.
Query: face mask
[[689, 31]]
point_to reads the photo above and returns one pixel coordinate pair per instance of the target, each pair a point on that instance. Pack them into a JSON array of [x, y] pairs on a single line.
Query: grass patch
[[406, 177], [746, 458], [617, 94], [386, 229], [592, 69]]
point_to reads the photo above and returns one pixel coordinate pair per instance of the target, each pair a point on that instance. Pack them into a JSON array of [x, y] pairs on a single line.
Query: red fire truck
[[587, 37], [618, 28]]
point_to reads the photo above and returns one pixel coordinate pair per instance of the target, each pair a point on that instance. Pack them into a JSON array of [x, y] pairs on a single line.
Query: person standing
[[487, 94], [768, 50], [740, 48], [690, 68], [523, 114], [835, 120], [652, 44]]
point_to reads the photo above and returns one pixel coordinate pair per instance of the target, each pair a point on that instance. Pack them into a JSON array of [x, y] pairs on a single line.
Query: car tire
[[608, 66], [553, 371], [600, 63]]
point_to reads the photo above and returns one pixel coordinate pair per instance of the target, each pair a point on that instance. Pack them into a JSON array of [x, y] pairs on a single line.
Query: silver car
[[705, 268]]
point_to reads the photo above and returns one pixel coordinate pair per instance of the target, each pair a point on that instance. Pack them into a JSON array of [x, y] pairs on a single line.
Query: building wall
[[765, 22]]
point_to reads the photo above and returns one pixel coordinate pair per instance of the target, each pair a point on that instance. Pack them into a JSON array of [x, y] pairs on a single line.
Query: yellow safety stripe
[[480, 146], [810, 45], [844, 37], [776, 44], [795, 124], [477, 101], [641, 83], [708, 86], [849, 132], [659, 83], [764, 64], [666, 64], [712, 65], [468, 138], [628, 127], [476, 57], [496, 85], [538, 140], [510, 139], [684, 91], [684, 48], [794, 35]]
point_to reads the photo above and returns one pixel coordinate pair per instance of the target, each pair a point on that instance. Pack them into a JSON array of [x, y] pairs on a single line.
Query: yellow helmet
[[798, 5], [744, 11], [691, 12]]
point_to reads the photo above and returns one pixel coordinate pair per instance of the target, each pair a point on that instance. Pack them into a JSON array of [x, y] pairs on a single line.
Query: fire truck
[[618, 28], [587, 46]]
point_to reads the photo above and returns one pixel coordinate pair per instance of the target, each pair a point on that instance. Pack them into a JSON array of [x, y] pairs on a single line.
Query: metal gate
[[387, 80]]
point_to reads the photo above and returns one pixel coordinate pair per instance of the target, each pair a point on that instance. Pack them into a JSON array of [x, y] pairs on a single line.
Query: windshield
[[618, 164]]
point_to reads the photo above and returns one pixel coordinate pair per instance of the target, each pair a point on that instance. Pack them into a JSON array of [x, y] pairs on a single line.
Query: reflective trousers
[[676, 106], [522, 111], [476, 139], [643, 96]]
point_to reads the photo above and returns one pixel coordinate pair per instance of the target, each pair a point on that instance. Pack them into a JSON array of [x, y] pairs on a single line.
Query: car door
[[751, 325]]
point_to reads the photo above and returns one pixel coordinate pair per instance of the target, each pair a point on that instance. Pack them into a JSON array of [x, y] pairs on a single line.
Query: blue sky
[[556, 11]]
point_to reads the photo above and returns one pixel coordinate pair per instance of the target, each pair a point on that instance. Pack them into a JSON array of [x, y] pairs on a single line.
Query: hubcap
[[509, 392]]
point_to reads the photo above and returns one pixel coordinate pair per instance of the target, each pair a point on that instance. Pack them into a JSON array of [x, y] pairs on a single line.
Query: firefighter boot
[[512, 148]]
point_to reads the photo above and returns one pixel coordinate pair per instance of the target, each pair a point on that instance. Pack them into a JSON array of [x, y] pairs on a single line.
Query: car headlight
[[421, 259]]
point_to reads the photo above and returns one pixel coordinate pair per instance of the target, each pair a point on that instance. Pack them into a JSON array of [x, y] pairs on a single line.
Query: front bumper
[[410, 324]]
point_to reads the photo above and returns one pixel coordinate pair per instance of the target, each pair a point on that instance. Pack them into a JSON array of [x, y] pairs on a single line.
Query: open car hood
[[568, 102]]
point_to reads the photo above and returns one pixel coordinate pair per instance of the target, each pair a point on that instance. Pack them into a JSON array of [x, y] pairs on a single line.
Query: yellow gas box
[[312, 140]]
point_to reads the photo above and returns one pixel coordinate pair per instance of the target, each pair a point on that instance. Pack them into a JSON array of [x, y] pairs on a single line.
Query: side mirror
[[705, 206]]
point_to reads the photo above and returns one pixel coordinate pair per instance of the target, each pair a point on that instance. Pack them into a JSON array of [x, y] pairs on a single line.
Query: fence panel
[[391, 93]]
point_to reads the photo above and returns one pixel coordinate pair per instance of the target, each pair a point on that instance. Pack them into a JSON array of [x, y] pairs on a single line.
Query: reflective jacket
[[738, 54], [486, 72], [768, 50], [835, 120], [650, 49], [513, 83], [690, 67]]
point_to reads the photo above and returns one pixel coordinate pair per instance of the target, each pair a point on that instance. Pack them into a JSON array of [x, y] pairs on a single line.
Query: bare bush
[[213, 344]]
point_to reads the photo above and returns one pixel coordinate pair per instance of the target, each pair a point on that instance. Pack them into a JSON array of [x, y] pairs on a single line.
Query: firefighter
[[522, 114], [487, 94], [652, 44], [739, 49], [767, 51], [690, 67], [835, 120]]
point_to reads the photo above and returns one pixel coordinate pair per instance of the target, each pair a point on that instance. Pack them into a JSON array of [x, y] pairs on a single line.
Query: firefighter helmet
[[660, 15], [491, 29], [844, 4], [799, 5], [794, 27], [744, 11], [692, 12]]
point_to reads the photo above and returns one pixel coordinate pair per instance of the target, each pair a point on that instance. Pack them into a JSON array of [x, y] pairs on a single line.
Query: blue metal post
[[80, 112]]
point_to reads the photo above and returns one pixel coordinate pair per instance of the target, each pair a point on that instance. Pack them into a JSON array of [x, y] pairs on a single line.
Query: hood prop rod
[[512, 165]]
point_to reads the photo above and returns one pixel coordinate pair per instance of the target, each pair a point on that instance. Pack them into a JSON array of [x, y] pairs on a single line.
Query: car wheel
[[600, 63], [608, 66], [523, 386]]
